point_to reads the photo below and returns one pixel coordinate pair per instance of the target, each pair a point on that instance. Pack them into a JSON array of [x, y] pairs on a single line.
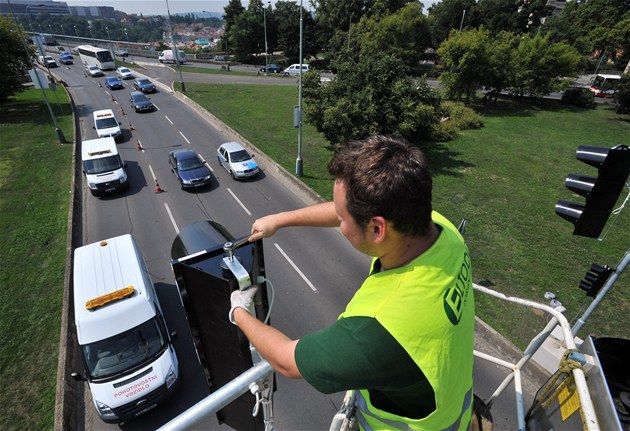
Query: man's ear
[[378, 229]]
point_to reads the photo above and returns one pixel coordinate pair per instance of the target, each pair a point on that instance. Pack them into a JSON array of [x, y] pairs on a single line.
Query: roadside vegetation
[[35, 178]]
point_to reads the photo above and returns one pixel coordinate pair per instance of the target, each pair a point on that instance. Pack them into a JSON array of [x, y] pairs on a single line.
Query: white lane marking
[[300, 273], [169, 120], [152, 173], [156, 107], [185, 138], [239, 202], [170, 215]]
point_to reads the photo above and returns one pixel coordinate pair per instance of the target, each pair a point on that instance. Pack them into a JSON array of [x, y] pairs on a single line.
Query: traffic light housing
[[594, 279], [601, 193]]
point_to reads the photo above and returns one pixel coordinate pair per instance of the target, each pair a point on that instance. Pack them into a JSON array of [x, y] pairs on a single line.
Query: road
[[306, 300]]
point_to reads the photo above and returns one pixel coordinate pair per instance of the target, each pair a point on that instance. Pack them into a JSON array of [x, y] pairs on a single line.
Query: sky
[[158, 7]]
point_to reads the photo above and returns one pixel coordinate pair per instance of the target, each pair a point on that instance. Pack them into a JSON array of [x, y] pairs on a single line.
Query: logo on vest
[[455, 297]]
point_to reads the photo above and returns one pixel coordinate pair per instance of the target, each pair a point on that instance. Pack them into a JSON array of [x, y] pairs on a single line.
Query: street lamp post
[[128, 47], [76, 32], [299, 167], [266, 47], [111, 49], [91, 34], [177, 64]]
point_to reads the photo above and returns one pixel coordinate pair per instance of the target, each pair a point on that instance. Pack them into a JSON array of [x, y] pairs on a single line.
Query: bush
[[579, 96], [623, 95], [462, 116]]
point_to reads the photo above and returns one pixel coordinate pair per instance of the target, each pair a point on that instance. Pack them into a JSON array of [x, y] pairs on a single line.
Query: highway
[[314, 271]]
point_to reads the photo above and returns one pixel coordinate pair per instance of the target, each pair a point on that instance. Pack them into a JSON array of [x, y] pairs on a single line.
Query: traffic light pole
[[614, 276]]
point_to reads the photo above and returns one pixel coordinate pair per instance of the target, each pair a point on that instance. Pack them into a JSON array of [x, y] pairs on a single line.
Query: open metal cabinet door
[[205, 285]]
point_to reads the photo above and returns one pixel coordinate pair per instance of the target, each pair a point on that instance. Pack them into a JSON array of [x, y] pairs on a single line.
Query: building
[[93, 11], [33, 7]]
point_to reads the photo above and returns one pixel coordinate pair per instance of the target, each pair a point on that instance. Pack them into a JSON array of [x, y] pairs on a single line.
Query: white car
[[294, 69], [237, 161], [124, 73], [94, 71]]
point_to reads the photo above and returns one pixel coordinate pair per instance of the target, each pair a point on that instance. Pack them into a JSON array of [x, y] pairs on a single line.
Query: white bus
[[99, 57]]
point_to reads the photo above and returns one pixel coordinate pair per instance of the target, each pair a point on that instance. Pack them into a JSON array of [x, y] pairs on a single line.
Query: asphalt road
[[308, 299]]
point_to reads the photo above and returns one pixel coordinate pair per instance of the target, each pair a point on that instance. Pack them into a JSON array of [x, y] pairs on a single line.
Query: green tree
[[373, 96], [286, 22], [623, 95], [246, 35], [15, 55], [540, 65], [230, 12]]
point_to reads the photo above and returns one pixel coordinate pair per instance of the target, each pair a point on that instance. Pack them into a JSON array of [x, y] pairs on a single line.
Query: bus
[[99, 57], [605, 85]]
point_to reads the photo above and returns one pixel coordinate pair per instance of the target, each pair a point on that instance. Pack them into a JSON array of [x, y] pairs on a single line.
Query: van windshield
[[124, 351], [102, 165], [106, 123]]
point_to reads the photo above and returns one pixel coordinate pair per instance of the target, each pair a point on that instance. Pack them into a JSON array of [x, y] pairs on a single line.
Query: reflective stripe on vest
[[362, 409]]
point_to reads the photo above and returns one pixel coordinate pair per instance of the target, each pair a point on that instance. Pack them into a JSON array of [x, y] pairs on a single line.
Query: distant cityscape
[[36, 7]]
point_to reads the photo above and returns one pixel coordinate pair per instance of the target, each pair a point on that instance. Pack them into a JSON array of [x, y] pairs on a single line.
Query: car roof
[[123, 68], [184, 153], [138, 93], [93, 67], [232, 146], [111, 78]]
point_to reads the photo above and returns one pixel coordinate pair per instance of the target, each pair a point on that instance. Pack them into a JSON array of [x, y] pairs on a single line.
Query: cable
[[260, 280]]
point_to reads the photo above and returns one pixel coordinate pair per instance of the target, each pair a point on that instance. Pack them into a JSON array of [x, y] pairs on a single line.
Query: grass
[[505, 178], [35, 174]]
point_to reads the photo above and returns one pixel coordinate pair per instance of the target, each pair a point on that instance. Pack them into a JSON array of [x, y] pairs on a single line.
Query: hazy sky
[[158, 7]]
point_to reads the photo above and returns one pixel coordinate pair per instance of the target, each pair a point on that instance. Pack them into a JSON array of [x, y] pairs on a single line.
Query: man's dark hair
[[385, 177]]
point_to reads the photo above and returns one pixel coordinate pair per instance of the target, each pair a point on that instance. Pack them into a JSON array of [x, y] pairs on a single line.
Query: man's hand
[[264, 227], [243, 299]]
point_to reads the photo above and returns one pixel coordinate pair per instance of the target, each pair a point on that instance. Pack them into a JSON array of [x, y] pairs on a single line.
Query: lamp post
[[62, 30], [177, 64], [266, 47], [91, 34], [76, 32], [128, 48], [111, 49], [299, 167]]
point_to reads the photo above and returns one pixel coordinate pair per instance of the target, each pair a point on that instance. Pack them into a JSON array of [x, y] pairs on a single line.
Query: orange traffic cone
[[131, 126], [122, 110], [113, 100], [139, 146], [157, 187]]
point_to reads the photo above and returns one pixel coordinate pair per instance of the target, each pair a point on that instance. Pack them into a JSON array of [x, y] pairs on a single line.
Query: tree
[[373, 96], [15, 58], [286, 19], [231, 11]]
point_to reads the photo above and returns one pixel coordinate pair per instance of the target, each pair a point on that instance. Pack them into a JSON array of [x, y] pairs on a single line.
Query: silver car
[[237, 161]]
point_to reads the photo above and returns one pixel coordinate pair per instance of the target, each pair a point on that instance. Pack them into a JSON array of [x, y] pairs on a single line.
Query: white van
[[103, 168], [106, 124], [294, 69], [168, 56], [127, 351]]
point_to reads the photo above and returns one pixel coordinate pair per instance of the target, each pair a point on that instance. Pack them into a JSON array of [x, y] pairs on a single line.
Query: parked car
[[294, 69], [113, 83], [272, 68], [121, 53], [237, 161], [124, 73], [94, 71], [140, 102], [48, 61], [191, 170], [145, 85]]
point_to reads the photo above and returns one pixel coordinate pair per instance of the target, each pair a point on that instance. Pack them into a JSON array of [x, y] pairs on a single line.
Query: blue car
[[191, 170], [113, 83]]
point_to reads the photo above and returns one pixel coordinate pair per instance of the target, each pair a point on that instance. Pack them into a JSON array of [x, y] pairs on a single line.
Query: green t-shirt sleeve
[[358, 353]]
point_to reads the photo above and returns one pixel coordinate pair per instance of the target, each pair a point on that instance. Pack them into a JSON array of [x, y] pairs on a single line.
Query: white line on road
[[169, 120], [152, 173], [156, 107], [170, 215], [239, 202], [185, 138], [300, 273]]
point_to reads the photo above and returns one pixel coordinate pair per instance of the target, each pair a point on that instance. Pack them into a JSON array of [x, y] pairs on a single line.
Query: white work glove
[[243, 299]]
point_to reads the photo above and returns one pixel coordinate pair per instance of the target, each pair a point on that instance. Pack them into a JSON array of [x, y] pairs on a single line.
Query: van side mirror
[[78, 377]]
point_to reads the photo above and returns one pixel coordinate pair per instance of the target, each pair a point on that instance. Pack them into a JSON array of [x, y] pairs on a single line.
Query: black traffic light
[[594, 279], [601, 193]]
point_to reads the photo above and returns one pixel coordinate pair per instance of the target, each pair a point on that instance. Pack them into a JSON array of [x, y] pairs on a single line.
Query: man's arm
[[318, 215], [273, 345]]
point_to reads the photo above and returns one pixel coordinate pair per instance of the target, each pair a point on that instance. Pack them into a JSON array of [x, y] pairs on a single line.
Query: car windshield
[[102, 165], [189, 164], [112, 79], [125, 350], [124, 71], [94, 69], [106, 123], [139, 98], [239, 156], [144, 82]]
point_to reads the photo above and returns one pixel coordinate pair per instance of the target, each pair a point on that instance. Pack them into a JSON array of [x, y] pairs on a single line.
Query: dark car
[[144, 85], [113, 83], [272, 68], [140, 102], [191, 170]]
